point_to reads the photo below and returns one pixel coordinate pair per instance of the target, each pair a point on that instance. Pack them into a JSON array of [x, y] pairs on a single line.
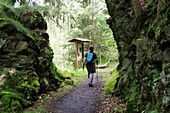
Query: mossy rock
[[141, 30], [26, 68]]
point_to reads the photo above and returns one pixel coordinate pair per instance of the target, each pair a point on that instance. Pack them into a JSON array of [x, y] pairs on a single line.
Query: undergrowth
[[110, 83], [72, 79]]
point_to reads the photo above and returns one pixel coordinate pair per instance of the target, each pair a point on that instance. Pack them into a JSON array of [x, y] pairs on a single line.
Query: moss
[[144, 53], [26, 68]]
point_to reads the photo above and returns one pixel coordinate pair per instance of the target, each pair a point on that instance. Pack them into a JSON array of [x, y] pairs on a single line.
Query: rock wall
[[141, 30], [26, 68]]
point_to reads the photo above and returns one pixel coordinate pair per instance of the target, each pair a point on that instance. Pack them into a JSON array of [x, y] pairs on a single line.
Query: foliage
[[19, 92], [10, 2], [75, 32], [119, 109], [110, 84], [133, 99], [10, 17], [65, 87], [69, 83], [150, 108], [79, 76], [85, 19], [38, 110]]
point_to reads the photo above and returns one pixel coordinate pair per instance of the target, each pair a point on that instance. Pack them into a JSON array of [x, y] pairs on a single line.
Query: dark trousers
[[91, 68]]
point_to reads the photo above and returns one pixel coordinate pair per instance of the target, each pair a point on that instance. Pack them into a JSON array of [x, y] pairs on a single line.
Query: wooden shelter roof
[[79, 40]]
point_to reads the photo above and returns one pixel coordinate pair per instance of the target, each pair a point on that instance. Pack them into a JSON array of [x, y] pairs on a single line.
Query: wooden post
[[82, 46], [77, 55]]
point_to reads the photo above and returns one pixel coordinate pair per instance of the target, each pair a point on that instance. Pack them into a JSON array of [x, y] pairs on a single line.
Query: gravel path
[[82, 99]]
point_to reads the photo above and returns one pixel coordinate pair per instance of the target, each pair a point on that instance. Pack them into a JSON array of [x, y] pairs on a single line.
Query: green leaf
[[154, 111]]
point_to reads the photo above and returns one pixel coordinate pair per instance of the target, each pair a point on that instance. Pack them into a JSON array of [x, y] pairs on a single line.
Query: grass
[[79, 76]]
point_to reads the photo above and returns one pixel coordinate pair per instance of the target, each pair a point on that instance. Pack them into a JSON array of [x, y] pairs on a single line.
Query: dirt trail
[[82, 99]]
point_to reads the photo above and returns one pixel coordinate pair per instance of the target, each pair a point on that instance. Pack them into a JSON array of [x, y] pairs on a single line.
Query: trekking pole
[[97, 74]]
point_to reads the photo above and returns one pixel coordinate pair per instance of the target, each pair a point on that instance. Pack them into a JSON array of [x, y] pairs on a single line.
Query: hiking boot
[[90, 85]]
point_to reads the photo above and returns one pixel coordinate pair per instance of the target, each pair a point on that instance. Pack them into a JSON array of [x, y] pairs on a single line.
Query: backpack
[[89, 57]]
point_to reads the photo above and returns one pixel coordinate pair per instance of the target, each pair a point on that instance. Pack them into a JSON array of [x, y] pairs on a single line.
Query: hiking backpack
[[89, 57]]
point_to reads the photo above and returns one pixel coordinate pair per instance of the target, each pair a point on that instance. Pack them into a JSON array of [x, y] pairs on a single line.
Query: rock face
[[141, 29], [26, 68]]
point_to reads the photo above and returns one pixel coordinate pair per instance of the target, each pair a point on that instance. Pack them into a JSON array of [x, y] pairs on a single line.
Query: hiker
[[90, 60]]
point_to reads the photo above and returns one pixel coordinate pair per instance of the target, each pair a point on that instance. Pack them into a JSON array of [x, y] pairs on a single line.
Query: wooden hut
[[79, 43]]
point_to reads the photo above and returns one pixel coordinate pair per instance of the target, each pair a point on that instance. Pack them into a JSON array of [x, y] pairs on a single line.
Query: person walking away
[[90, 60]]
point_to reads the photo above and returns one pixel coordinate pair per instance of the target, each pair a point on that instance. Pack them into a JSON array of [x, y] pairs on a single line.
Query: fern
[[8, 2], [9, 15], [156, 75], [3, 24], [150, 108], [133, 98], [10, 101], [2, 93], [6, 10]]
